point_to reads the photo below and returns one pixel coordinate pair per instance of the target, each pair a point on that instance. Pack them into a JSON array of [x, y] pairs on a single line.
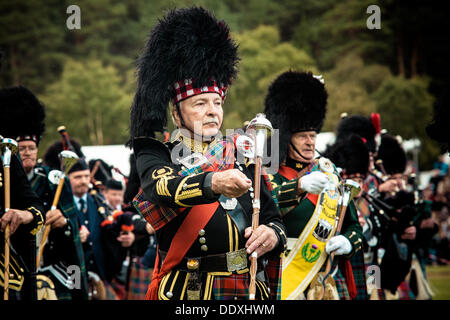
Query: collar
[[295, 164], [77, 200], [194, 145]]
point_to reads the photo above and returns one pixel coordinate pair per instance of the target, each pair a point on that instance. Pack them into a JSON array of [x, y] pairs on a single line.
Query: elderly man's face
[[305, 145], [202, 114], [28, 153]]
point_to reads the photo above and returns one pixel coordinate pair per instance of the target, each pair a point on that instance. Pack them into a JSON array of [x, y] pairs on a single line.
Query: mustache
[[211, 120]]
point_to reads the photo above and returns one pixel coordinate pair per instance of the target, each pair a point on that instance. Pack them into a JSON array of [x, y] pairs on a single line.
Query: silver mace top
[[352, 189], [8, 146], [68, 160], [263, 128]]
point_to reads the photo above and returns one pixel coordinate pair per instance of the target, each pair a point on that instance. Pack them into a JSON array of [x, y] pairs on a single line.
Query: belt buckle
[[236, 260]]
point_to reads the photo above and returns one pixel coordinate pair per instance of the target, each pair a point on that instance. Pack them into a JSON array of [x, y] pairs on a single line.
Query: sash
[[197, 218], [219, 158], [308, 253]]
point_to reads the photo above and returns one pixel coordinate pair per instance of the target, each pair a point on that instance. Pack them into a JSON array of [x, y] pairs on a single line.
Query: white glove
[[339, 243], [314, 182]]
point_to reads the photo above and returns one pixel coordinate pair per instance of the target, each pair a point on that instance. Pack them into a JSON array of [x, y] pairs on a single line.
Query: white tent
[[114, 155]]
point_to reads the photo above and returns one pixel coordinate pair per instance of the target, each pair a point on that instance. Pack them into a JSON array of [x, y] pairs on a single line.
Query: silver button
[[201, 232], [169, 294], [202, 240], [204, 247]]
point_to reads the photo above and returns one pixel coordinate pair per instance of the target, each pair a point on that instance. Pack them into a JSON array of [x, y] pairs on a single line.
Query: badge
[[246, 146], [193, 160], [227, 203], [54, 176], [161, 172], [326, 165]]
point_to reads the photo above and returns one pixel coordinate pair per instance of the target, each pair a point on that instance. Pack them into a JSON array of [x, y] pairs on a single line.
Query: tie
[[82, 205]]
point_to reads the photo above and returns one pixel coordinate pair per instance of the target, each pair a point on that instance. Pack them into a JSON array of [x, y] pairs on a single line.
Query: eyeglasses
[[31, 149]]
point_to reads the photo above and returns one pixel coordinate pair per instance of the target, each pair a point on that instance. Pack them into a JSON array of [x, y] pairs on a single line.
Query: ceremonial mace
[[351, 190], [8, 148], [263, 129], [67, 159]]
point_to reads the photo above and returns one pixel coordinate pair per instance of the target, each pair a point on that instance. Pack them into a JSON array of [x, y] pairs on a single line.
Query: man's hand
[[427, 223], [15, 218], [231, 183], [388, 186], [314, 182], [55, 219], [126, 238], [84, 234], [409, 233], [149, 228], [262, 240], [340, 244]]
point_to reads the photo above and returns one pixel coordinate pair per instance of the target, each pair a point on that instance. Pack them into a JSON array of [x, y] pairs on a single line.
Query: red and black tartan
[[186, 88]]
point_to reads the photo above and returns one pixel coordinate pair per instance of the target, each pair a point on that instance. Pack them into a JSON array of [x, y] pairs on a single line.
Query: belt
[[225, 262]]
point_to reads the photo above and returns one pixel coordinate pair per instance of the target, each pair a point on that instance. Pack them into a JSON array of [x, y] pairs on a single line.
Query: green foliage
[[90, 102], [407, 101], [349, 86], [87, 76], [263, 58]]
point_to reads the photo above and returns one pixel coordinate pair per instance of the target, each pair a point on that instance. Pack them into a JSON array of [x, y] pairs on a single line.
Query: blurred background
[[86, 77]]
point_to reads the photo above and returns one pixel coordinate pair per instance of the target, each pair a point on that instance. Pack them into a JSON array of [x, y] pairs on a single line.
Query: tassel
[[152, 291], [347, 270]]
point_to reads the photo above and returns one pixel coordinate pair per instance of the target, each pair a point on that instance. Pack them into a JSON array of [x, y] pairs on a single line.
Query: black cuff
[[282, 239], [38, 221], [207, 188]]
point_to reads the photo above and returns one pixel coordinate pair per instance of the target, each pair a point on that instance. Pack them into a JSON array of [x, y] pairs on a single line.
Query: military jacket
[[162, 185], [63, 248], [297, 210], [24, 239]]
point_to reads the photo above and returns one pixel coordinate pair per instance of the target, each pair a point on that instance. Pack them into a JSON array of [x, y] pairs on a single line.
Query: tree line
[[86, 78]]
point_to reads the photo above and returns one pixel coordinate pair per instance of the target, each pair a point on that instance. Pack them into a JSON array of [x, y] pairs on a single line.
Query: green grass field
[[439, 278]]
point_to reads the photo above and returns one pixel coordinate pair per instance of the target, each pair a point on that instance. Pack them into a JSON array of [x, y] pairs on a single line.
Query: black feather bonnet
[[295, 101], [22, 115], [187, 44]]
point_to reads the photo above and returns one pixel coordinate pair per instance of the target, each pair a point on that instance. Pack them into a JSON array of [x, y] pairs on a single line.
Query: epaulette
[[146, 142]]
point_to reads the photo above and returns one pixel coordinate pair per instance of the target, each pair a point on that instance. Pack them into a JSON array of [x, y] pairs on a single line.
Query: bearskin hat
[[351, 154], [51, 156], [365, 127], [392, 155], [438, 128], [23, 115], [295, 101], [188, 52]]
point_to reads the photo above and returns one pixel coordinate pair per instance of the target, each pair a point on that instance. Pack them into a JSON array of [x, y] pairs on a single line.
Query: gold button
[[201, 232], [202, 240], [204, 247]]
